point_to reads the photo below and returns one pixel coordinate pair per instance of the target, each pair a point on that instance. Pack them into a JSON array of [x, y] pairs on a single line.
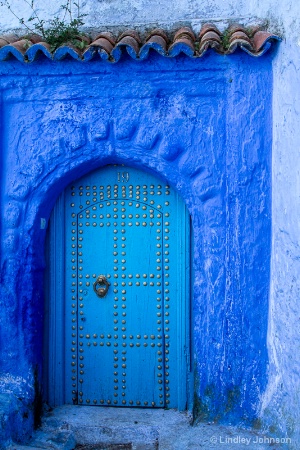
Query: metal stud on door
[[122, 289]]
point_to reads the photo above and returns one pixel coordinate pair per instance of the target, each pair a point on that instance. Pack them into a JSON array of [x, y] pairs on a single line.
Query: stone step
[[95, 428], [118, 435], [21, 447], [94, 438], [103, 446], [54, 439]]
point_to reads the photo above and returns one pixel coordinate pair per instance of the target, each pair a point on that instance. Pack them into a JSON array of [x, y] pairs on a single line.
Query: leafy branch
[[56, 31], [225, 38]]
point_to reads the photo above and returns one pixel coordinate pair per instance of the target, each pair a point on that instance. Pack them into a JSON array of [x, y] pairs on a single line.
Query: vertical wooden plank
[[182, 267], [189, 314]]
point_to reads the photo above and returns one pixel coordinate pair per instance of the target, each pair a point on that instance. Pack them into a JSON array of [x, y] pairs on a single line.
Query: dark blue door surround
[[126, 334], [201, 126]]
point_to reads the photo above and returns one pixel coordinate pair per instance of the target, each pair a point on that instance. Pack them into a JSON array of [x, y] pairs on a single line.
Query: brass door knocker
[[98, 286]]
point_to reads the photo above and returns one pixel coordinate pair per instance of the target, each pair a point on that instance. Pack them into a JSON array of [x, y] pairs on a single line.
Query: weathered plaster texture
[[280, 405], [107, 13], [281, 402], [205, 126]]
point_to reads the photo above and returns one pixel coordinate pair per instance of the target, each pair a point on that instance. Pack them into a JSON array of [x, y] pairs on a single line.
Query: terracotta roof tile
[[156, 40], [262, 40], [183, 42], [130, 44], [184, 33], [104, 44], [36, 50], [8, 39], [107, 47]]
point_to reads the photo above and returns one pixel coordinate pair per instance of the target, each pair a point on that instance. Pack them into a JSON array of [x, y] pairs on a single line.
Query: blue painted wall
[[203, 125]]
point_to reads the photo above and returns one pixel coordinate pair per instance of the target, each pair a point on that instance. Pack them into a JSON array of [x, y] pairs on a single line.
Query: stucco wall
[[280, 403], [102, 13]]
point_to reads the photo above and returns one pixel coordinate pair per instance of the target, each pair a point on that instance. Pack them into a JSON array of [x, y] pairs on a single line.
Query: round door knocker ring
[[98, 286]]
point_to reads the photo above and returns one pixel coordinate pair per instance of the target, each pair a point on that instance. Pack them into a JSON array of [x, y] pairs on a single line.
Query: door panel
[[128, 348]]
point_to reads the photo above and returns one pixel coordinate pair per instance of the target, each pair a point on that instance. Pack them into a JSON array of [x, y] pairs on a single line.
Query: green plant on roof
[[225, 38], [57, 31]]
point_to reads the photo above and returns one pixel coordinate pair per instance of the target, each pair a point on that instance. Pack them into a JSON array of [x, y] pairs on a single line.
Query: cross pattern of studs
[[89, 216]]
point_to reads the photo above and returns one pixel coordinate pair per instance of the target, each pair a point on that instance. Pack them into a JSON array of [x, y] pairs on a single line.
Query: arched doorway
[[118, 304]]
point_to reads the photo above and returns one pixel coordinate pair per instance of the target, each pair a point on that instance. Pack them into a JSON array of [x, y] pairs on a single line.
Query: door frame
[[54, 314]]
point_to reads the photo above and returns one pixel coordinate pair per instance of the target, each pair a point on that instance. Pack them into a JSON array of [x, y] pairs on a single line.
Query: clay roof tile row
[[105, 45]]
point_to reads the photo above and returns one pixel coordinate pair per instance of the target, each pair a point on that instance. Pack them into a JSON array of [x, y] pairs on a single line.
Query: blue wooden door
[[126, 332]]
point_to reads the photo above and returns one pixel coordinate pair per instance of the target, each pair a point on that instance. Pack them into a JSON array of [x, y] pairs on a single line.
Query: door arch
[[118, 305]]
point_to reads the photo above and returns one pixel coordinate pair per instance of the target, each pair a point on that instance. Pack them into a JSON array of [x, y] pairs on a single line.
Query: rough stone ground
[[105, 428]]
